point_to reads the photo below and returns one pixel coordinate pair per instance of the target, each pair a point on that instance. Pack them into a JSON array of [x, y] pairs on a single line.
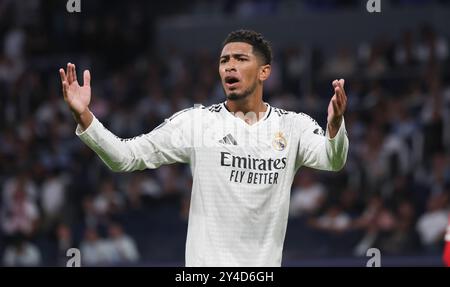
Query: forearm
[[337, 146], [116, 153], [84, 119], [326, 152], [333, 127], [164, 145]]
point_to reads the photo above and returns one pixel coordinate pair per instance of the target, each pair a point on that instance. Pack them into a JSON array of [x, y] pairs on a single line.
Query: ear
[[264, 72]]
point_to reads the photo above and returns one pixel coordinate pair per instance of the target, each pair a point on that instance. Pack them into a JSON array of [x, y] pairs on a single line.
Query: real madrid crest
[[279, 142]]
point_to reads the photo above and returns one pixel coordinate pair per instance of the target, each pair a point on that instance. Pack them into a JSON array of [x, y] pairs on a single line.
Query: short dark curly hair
[[261, 46]]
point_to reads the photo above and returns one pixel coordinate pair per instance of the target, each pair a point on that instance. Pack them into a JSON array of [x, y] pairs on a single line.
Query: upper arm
[[172, 140], [311, 141]]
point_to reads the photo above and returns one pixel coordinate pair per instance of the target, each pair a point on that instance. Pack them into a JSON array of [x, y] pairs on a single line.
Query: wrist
[[84, 119], [335, 123], [78, 115]]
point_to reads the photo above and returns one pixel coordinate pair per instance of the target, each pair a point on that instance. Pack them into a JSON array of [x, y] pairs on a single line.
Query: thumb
[[87, 78], [342, 82]]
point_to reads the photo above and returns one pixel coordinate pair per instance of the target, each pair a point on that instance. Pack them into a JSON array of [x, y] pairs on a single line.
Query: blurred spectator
[[12, 65], [91, 218], [295, 65], [52, 198], [149, 187], [349, 200], [123, 247], [432, 224], [22, 181], [341, 65], [21, 253], [373, 57], [403, 239], [368, 223], [308, 195], [404, 52], [20, 215], [64, 242], [431, 47], [109, 201], [133, 193], [433, 114], [94, 250], [334, 220]]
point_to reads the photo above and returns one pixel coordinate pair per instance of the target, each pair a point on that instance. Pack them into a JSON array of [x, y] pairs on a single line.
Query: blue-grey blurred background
[[150, 59]]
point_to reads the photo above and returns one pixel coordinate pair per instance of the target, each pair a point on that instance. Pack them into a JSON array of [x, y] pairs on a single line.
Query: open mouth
[[231, 81]]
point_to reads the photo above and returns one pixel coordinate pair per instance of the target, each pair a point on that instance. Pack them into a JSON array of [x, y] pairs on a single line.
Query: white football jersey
[[242, 175]]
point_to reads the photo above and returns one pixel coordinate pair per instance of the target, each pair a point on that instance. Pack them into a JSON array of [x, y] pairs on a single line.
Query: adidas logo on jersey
[[228, 139]]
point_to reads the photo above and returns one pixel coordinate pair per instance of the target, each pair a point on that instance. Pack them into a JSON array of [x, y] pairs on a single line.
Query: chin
[[234, 96]]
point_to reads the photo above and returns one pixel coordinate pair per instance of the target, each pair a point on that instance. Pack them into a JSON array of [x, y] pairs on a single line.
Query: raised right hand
[[77, 97]]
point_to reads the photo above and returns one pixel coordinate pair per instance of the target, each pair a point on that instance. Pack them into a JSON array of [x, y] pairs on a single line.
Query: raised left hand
[[336, 107]]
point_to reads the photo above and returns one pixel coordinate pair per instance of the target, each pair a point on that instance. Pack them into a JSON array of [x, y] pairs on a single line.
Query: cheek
[[252, 75]]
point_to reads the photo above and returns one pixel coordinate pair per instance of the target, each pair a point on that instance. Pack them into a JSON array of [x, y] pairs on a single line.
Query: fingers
[[341, 83], [65, 87], [335, 83], [337, 96], [71, 73], [63, 75], [74, 73], [340, 93], [63, 82], [87, 78]]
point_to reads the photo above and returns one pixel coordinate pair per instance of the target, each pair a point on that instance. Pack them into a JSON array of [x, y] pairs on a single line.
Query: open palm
[[76, 96]]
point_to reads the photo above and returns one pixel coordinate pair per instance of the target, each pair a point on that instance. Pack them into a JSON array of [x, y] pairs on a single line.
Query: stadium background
[[150, 59]]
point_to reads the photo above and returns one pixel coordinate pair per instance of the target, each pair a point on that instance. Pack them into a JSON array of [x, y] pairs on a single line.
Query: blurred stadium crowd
[[393, 194]]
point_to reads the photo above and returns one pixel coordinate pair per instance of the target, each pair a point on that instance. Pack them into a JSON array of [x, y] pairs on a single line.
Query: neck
[[247, 108], [248, 104]]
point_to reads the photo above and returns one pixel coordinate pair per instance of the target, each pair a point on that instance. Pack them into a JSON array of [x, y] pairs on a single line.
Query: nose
[[230, 67]]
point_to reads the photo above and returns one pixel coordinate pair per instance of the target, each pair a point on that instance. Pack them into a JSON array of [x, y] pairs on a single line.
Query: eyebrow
[[236, 55]]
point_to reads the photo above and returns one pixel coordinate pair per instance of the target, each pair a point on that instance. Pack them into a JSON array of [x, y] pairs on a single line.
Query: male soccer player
[[243, 154]]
